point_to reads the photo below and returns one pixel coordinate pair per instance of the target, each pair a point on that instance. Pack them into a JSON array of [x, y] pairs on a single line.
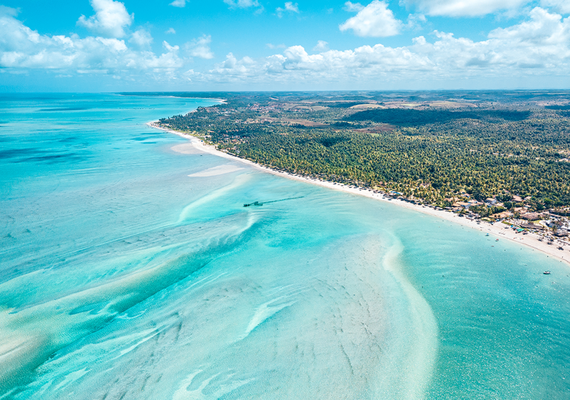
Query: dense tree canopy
[[492, 150]]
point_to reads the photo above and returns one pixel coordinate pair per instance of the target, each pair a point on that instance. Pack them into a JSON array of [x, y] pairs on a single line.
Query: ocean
[[130, 269]]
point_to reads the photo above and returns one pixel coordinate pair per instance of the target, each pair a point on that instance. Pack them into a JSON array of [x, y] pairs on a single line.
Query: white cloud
[[562, 6], [232, 69], [201, 47], [141, 38], [110, 19], [242, 3], [544, 33], [178, 3], [171, 31], [170, 48], [321, 46], [374, 20], [415, 21], [539, 46], [536, 48], [8, 11], [353, 7], [276, 46], [22, 48], [289, 7], [296, 65], [462, 8]]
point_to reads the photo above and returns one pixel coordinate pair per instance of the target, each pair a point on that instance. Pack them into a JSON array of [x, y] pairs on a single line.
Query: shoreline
[[497, 230]]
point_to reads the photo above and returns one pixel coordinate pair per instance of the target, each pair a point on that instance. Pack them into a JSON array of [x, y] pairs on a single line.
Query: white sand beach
[[499, 231]]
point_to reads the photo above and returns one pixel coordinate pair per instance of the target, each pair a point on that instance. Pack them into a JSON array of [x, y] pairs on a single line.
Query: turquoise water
[[131, 271]]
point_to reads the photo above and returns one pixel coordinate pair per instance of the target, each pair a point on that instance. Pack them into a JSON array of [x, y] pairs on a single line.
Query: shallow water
[[132, 271]]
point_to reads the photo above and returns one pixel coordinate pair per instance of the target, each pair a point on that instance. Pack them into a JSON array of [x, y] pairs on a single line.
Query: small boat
[[254, 204], [546, 272]]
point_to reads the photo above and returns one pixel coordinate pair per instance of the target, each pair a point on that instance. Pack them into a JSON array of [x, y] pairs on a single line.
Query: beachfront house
[[532, 216], [532, 226], [474, 203], [461, 205], [502, 215]]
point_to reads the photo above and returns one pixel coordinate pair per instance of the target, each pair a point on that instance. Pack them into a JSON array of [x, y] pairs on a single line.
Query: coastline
[[497, 230]]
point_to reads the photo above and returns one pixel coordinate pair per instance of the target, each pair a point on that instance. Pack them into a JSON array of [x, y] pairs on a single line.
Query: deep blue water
[[130, 269]]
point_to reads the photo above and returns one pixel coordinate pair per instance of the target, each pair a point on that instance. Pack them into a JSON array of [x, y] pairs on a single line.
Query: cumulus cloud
[[543, 40], [562, 6], [295, 64], [415, 21], [178, 3], [171, 31], [462, 8], [141, 38], [353, 7], [242, 3], [8, 11], [231, 69], [110, 19], [321, 46], [289, 7], [24, 48], [201, 47], [233, 65], [374, 20], [539, 45]]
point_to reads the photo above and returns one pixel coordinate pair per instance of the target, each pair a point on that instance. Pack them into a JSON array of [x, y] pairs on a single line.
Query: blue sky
[[107, 45]]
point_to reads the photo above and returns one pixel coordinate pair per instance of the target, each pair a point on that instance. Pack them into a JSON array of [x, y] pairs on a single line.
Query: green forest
[[434, 149]]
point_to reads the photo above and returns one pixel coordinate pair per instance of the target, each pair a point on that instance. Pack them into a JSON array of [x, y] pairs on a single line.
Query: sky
[[229, 45]]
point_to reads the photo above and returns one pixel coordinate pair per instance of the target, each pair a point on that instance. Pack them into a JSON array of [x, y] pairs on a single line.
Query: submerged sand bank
[[498, 230]]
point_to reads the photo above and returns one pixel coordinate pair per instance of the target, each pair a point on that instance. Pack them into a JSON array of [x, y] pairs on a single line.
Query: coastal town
[[551, 226]]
